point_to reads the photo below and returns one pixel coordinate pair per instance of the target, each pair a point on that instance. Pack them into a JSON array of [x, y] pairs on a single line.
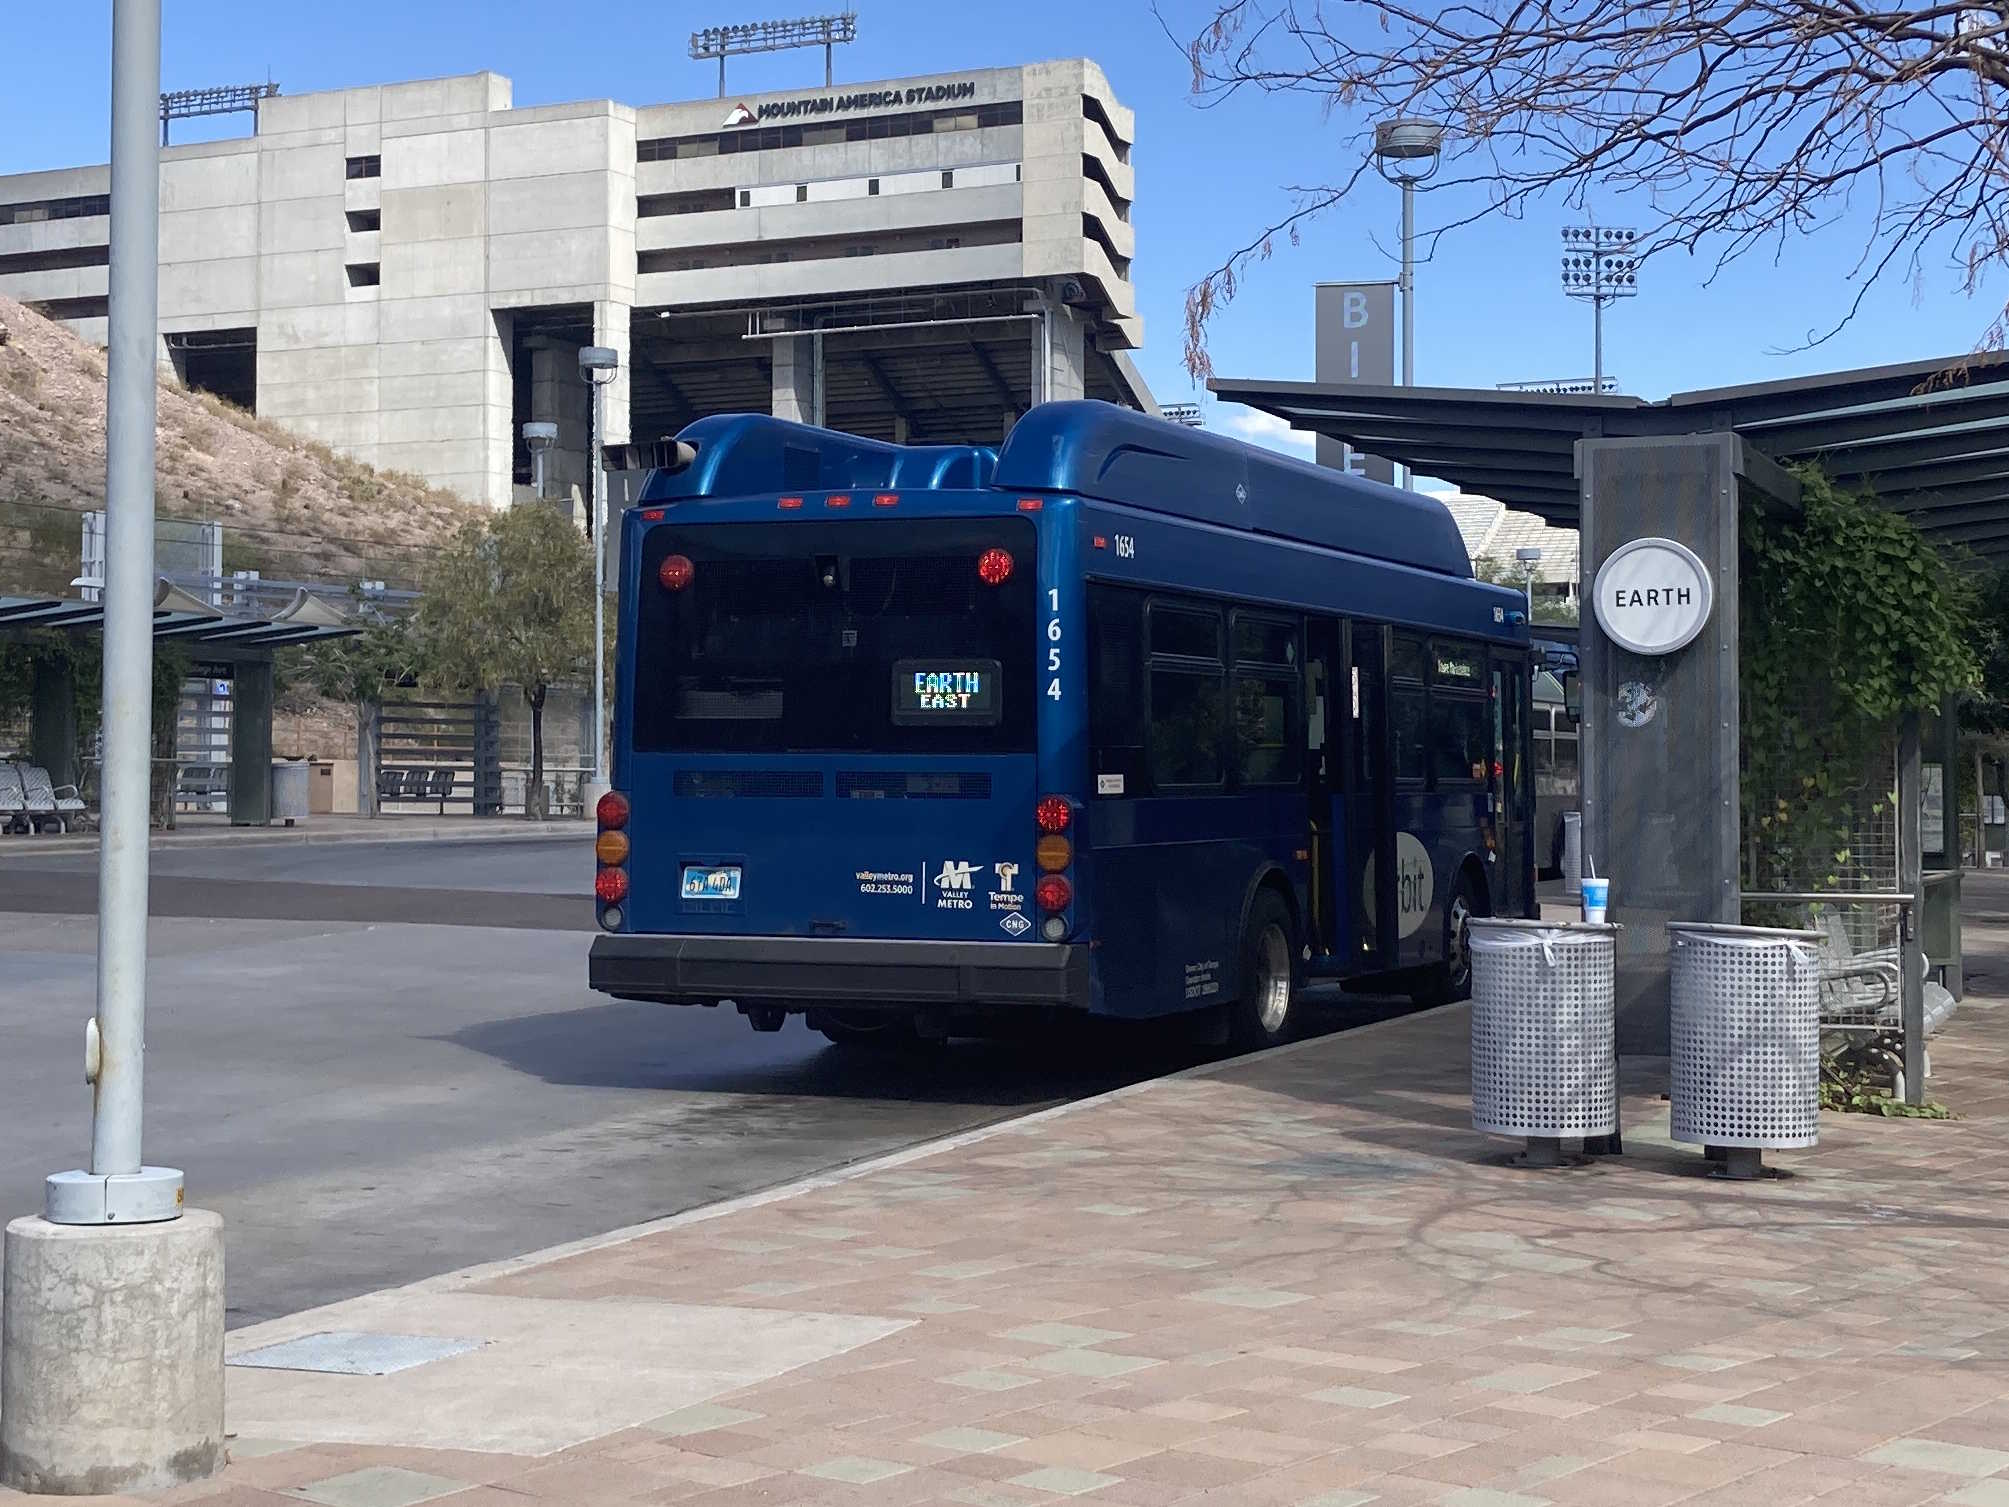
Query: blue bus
[[1123, 719]]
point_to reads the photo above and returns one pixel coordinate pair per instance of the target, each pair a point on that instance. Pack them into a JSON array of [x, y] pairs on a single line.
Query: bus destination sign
[[950, 692]]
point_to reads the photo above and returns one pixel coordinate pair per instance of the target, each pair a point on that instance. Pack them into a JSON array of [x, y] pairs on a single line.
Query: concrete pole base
[[590, 792], [111, 1355]]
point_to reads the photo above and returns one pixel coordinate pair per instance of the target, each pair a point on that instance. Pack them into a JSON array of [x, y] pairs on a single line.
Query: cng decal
[[1415, 884]]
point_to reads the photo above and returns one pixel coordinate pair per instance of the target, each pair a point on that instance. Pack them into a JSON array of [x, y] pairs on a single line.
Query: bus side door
[[1513, 786], [1368, 842]]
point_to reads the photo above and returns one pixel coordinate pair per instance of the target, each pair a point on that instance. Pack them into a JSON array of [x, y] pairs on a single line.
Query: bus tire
[[1448, 982], [1267, 1009], [874, 1030]]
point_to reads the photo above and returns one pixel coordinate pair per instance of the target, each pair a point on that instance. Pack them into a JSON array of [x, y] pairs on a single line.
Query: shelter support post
[[1660, 734], [1910, 880], [251, 744], [52, 716]]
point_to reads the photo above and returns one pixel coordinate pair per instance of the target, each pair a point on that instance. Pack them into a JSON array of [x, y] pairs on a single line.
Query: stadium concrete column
[[611, 325], [1059, 354], [798, 379], [558, 396]]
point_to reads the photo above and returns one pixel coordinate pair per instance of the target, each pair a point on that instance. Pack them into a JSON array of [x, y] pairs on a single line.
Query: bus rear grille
[[726, 784], [854, 784]]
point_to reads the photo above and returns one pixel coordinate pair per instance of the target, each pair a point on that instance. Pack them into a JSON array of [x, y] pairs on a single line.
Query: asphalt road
[[375, 1082]]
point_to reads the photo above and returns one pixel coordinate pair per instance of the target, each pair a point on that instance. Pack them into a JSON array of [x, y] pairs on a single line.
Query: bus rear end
[[826, 764]]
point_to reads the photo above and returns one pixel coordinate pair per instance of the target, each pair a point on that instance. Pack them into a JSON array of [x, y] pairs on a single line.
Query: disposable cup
[[1596, 895]]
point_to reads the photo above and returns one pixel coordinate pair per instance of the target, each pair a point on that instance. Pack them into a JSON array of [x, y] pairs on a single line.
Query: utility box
[[331, 787]]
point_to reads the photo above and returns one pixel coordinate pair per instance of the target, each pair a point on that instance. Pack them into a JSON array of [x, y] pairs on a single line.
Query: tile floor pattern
[[1324, 1291]]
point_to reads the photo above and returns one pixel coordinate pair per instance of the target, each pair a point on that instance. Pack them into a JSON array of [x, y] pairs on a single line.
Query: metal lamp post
[[111, 1361], [1407, 151], [599, 365], [1599, 264], [1530, 557]]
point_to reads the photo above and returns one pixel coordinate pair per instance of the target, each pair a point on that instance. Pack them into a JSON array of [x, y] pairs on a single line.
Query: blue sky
[[1488, 308]]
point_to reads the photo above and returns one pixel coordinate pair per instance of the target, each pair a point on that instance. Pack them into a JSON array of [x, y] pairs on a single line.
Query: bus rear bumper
[[838, 970]]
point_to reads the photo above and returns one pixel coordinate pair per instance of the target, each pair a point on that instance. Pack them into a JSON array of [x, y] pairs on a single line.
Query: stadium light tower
[[1599, 264], [827, 31]]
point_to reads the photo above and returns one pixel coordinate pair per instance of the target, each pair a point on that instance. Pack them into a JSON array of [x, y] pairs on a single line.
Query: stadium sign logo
[[861, 99]]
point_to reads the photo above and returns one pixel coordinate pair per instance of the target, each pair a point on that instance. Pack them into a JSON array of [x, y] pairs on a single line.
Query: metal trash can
[[1573, 852], [1543, 1059], [289, 790], [1745, 1026]]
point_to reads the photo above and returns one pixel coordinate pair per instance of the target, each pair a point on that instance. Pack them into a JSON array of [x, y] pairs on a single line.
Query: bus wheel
[[1451, 980], [885, 1030], [1263, 1016]]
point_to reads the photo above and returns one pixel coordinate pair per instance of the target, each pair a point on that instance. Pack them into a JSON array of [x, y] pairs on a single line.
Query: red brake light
[[1028, 504], [837, 502], [675, 572], [1053, 814], [610, 886], [886, 500], [787, 503], [1053, 892], [994, 567], [652, 515], [612, 811]]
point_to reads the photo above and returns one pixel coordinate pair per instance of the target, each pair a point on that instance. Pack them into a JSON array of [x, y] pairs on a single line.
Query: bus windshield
[[874, 635]]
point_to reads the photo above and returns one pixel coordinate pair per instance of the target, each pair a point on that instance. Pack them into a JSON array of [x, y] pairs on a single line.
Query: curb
[[240, 837]]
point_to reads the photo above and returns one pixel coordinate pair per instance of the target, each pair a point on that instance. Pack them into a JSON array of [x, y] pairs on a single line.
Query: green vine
[[1849, 619], [1854, 1082]]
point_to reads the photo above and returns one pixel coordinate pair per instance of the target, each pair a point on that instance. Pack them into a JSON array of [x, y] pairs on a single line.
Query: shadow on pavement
[[618, 1045]]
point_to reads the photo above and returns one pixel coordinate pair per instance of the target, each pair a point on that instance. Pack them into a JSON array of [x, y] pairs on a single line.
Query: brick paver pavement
[[1301, 1280]]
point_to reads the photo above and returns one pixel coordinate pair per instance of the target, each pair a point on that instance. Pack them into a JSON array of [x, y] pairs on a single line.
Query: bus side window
[[1460, 740], [1187, 696], [1116, 689], [1268, 686]]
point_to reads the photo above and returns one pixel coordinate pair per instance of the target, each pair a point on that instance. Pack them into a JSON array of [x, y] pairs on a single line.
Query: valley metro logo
[[741, 116]]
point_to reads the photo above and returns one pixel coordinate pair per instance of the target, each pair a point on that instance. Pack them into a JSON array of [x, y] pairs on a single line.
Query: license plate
[[703, 881]]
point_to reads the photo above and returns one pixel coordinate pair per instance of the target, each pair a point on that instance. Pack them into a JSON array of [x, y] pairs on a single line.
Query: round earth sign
[[1653, 596]]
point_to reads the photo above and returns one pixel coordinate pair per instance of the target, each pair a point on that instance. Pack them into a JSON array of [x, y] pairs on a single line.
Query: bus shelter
[[1664, 481], [222, 645]]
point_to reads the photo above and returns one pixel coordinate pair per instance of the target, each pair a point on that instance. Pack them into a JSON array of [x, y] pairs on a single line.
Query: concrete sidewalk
[[1298, 1279], [201, 832]]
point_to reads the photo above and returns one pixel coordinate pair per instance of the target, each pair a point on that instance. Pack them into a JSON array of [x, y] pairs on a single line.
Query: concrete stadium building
[[406, 271]]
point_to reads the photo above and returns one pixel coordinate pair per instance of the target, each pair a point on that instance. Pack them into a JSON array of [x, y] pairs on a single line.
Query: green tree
[[510, 599]]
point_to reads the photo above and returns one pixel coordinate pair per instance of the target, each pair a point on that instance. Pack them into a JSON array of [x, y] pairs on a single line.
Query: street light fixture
[[1600, 263], [539, 436], [599, 365], [1530, 557], [1407, 151]]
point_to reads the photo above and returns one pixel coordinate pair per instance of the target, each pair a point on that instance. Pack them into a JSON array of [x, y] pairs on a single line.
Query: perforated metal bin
[[1745, 1024], [1543, 1064]]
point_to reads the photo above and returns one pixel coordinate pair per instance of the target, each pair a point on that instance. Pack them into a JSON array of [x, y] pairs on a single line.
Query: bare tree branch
[[1737, 123]]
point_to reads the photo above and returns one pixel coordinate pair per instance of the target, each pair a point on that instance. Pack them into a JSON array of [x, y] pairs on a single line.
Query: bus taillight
[[610, 886], [675, 572], [994, 566], [611, 811], [1053, 893], [1053, 814]]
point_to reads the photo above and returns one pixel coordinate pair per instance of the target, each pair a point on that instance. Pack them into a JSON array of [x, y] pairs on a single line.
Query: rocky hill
[[291, 508]]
